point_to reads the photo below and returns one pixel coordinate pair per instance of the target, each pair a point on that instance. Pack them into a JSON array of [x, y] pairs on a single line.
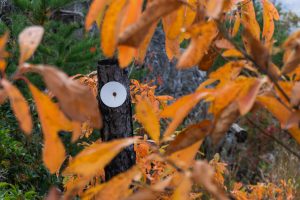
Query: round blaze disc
[[113, 94]]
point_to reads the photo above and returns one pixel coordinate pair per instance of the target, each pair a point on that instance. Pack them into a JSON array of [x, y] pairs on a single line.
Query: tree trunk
[[117, 122]]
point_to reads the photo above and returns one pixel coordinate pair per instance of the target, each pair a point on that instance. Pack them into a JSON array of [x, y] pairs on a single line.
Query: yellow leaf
[[117, 188], [29, 40], [52, 121], [19, 106], [95, 157], [96, 9], [148, 118], [135, 34], [111, 27], [202, 36]]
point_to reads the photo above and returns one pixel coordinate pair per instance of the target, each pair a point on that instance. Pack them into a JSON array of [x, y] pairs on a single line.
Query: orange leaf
[[232, 53], [96, 9], [117, 188], [202, 37], [269, 13], [148, 118], [180, 109], [19, 106], [203, 174], [95, 157], [182, 192], [3, 53], [249, 19], [135, 34], [29, 40], [214, 8], [247, 96], [143, 47], [111, 27], [131, 15], [236, 25], [185, 157], [52, 121]]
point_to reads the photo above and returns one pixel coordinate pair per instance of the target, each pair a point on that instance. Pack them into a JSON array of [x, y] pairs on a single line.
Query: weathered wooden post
[[115, 105]]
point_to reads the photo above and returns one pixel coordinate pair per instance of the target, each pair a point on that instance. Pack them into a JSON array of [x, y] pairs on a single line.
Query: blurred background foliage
[[67, 46]]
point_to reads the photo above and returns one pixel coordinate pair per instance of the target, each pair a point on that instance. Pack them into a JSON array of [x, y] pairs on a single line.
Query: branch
[[273, 138], [248, 57]]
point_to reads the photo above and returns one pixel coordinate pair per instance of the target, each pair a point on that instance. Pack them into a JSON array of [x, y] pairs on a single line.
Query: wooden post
[[117, 122]]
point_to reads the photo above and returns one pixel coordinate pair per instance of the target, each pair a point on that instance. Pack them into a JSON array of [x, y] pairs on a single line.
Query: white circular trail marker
[[113, 94]]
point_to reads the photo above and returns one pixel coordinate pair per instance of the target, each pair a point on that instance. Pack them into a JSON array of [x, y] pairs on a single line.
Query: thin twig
[[273, 138]]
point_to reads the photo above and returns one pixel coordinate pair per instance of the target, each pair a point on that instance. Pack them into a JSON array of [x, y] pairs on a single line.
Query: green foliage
[[11, 192], [64, 45]]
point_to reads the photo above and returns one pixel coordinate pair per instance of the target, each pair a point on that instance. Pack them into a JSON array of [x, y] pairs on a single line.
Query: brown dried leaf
[[29, 40], [189, 136], [76, 100], [224, 121], [19, 106], [54, 194], [135, 34]]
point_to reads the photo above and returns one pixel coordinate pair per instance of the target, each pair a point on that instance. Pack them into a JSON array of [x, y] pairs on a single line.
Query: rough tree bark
[[117, 122]]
